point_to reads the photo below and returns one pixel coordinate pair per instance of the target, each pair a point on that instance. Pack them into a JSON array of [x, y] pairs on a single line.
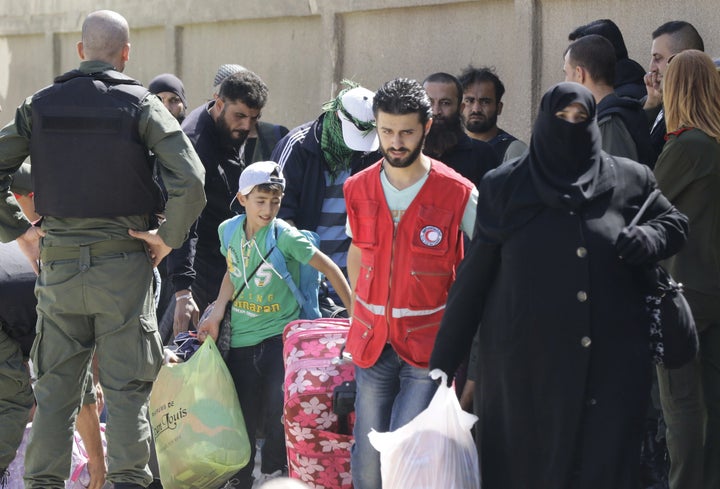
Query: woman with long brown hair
[[688, 173]]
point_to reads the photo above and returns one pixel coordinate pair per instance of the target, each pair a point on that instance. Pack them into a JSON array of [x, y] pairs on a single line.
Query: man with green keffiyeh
[[317, 157], [336, 152]]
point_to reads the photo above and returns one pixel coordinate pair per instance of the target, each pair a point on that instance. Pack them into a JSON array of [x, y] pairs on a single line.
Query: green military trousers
[[88, 304], [16, 398]]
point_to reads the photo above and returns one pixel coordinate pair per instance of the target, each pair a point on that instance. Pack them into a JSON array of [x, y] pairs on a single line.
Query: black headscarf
[[565, 160], [563, 169]]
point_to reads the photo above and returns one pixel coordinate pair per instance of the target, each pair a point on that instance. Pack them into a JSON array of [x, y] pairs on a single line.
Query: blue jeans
[[389, 395], [258, 373]]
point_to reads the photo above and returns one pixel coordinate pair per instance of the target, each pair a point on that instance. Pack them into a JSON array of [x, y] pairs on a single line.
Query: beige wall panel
[[26, 67], [150, 54], [303, 48], [415, 42], [286, 53], [66, 49]]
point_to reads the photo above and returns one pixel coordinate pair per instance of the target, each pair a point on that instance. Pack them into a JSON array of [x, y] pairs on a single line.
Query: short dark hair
[[245, 87], [441, 77], [403, 96], [597, 55], [269, 188], [605, 28], [684, 35], [472, 75]]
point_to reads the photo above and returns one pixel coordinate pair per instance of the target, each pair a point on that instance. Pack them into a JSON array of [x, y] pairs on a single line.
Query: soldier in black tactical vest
[[89, 136]]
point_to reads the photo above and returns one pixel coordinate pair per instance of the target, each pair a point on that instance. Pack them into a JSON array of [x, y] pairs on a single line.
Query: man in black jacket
[[219, 132], [482, 104], [628, 73], [447, 140], [590, 61]]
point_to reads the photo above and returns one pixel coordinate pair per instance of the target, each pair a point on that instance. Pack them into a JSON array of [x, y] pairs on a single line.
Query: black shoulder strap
[[242, 287], [650, 199], [110, 76]]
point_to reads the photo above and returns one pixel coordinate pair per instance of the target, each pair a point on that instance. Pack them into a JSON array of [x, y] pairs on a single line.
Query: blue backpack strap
[[306, 292], [278, 259], [230, 229]]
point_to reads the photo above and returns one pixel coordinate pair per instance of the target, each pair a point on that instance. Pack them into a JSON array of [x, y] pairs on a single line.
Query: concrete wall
[[303, 48]]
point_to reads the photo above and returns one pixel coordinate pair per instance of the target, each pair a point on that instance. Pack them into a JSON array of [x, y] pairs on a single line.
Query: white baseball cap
[[358, 121], [259, 173]]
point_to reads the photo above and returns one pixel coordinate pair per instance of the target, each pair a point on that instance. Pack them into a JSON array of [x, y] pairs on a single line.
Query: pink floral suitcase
[[318, 442]]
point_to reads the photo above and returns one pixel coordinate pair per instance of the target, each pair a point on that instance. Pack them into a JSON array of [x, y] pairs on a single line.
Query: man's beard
[[231, 138], [444, 134], [481, 125], [403, 162]]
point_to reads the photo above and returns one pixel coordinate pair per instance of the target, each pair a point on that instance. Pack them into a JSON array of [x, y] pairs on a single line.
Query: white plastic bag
[[433, 451]]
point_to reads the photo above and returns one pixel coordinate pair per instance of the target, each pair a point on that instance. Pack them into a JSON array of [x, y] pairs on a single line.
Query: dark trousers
[[210, 270], [690, 399], [209, 275], [258, 372], [710, 365]]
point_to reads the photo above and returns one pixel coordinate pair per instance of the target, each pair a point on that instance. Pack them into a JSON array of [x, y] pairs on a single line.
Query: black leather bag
[[343, 404], [673, 336]]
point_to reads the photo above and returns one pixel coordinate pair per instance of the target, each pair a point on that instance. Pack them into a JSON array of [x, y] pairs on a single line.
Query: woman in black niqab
[[564, 167], [565, 159], [562, 372]]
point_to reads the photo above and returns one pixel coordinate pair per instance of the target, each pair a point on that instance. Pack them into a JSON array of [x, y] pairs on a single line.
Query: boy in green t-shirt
[[261, 310]]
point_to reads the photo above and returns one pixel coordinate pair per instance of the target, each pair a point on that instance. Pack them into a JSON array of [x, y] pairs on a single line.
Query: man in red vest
[[405, 217]]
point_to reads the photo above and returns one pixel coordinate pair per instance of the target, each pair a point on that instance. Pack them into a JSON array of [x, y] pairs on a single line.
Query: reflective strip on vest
[[404, 313], [378, 310]]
